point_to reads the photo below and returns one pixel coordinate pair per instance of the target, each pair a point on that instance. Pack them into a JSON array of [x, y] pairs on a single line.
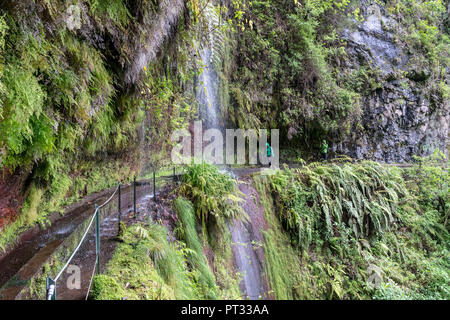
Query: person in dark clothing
[[324, 149]]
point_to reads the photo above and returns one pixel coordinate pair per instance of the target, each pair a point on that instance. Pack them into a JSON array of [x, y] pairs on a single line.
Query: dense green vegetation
[[335, 231], [67, 122], [147, 266], [357, 231], [212, 192], [290, 68]]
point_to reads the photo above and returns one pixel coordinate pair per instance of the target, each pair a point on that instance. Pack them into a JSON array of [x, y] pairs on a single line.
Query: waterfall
[[209, 51], [208, 81], [206, 92]]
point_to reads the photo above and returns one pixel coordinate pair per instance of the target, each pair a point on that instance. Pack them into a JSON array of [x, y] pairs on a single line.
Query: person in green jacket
[[324, 149], [269, 152]]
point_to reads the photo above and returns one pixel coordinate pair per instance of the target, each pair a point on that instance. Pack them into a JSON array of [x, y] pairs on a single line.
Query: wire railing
[[95, 220], [51, 283]]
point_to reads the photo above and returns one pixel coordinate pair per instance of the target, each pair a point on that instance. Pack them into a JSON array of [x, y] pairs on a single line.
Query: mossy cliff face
[[84, 86], [370, 76], [408, 113]]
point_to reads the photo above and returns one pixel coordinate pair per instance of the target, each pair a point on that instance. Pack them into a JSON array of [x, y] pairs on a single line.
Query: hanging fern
[[212, 28], [212, 192], [319, 199]]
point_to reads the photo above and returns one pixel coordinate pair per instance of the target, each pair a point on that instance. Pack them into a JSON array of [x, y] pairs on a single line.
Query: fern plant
[[212, 29], [322, 200], [212, 192]]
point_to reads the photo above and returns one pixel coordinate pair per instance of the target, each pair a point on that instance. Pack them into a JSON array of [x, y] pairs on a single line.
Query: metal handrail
[[85, 234], [51, 283], [78, 247]]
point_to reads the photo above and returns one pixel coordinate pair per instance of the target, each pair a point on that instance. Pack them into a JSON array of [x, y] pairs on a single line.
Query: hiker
[[269, 153], [324, 149]]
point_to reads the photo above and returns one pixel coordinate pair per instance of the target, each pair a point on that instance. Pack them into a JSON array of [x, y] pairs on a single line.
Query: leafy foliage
[[212, 192], [362, 231], [197, 258], [335, 197], [430, 182]]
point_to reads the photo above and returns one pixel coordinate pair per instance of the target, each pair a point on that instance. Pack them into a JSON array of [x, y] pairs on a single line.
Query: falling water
[[208, 80], [245, 258]]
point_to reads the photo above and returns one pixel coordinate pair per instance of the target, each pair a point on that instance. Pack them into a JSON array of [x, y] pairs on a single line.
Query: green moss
[[57, 115], [206, 279], [146, 266], [340, 262], [114, 9]]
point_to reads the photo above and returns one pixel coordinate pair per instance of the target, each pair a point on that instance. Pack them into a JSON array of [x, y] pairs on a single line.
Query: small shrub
[[212, 192]]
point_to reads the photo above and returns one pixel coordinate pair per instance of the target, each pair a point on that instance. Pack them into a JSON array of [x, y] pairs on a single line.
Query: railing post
[[119, 206], [51, 289], [97, 238], [134, 195], [154, 185]]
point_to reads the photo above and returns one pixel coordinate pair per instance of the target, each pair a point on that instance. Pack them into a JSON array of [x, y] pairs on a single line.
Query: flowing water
[[38, 244], [248, 261], [206, 92], [245, 236]]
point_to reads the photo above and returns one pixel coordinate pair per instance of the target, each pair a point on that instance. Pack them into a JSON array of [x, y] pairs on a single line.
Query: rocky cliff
[[406, 114], [81, 86], [370, 76]]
